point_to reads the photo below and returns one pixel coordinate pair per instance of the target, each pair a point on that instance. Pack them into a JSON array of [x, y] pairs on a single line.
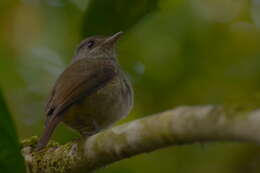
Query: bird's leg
[[96, 126], [93, 132]]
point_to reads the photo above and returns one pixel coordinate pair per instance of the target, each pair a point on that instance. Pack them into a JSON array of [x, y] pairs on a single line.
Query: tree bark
[[183, 125]]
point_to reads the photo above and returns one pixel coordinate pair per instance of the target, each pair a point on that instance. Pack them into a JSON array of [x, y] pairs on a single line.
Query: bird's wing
[[80, 79], [77, 81]]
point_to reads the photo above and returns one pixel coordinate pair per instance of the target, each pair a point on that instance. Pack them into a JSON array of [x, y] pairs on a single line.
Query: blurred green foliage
[[176, 53], [110, 16], [11, 160]]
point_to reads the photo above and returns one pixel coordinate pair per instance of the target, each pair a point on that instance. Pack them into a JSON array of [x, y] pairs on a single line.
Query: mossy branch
[[183, 125]]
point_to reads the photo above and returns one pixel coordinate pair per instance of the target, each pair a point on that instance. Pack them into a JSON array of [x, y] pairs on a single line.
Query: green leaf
[[11, 160], [110, 16]]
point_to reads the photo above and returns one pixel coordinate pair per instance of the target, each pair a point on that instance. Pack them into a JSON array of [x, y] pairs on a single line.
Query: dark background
[[177, 52]]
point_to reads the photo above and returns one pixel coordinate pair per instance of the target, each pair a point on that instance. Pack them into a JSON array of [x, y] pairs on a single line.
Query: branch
[[183, 125]]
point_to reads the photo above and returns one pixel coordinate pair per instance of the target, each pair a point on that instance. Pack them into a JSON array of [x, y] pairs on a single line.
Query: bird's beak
[[113, 38]]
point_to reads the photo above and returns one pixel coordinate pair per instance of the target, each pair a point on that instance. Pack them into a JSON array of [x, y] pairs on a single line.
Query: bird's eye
[[90, 43]]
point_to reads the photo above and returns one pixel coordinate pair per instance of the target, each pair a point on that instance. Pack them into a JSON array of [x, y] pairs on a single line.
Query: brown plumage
[[92, 93]]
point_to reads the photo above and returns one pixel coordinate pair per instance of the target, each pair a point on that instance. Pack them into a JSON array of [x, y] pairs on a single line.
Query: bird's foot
[[76, 140]]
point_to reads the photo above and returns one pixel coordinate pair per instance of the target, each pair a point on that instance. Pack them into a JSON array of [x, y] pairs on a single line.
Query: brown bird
[[92, 92]]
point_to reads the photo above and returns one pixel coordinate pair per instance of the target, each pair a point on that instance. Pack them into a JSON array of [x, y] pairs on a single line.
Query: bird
[[92, 93]]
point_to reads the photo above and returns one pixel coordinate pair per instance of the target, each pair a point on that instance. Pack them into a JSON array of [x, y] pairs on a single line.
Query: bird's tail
[[49, 129]]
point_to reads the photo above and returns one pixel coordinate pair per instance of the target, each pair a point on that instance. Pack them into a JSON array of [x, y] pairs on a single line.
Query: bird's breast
[[102, 108]]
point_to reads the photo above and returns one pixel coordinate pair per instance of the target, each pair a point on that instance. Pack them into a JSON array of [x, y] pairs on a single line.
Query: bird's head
[[97, 46]]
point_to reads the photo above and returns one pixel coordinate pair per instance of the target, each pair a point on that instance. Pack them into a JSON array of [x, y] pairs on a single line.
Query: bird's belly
[[99, 110]]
